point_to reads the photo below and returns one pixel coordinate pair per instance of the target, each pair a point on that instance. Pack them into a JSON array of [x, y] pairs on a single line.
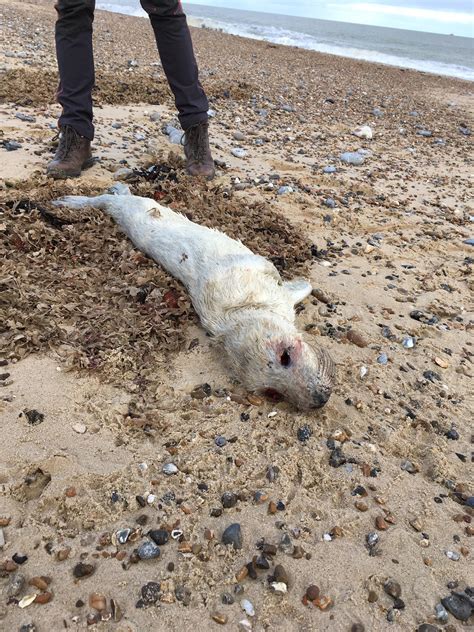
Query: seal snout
[[320, 398]]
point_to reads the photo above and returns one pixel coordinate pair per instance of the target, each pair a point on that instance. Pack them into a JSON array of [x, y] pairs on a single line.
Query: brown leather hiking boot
[[199, 161], [72, 155]]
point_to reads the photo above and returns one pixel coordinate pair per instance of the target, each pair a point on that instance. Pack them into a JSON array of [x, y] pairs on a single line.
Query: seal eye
[[285, 359]]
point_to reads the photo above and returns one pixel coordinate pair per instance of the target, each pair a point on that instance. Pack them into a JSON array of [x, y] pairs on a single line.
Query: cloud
[[456, 17]]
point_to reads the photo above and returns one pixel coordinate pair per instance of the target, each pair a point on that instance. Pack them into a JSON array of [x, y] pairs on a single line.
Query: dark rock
[[427, 627], [280, 574], [34, 417], [202, 391], [151, 592], [220, 441], [19, 559], [392, 588], [82, 570], [304, 433], [227, 599], [459, 605], [183, 594], [233, 535], [148, 551], [159, 536], [229, 499], [337, 458], [312, 592]]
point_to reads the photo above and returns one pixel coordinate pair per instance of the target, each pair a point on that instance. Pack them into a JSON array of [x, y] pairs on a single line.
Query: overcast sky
[[436, 16]]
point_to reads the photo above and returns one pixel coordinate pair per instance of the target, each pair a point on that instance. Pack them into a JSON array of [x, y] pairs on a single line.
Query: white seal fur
[[239, 297]]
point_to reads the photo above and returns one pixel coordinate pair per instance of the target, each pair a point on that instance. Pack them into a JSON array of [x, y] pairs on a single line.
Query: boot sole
[[62, 175]]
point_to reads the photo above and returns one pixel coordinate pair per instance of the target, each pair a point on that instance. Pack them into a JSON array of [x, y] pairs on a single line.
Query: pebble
[[40, 582], [82, 570], [220, 441], [229, 499], [280, 575], [244, 625], [218, 617], [392, 588], [169, 469], [238, 152], [312, 592], [97, 601], [202, 391], [15, 585], [330, 202], [150, 592], [238, 136], [424, 132], [408, 342], [453, 555], [25, 117], [155, 117], [284, 189], [279, 587], [227, 599], [469, 242], [11, 145], [159, 536], [123, 173], [357, 627], [2, 539], [330, 169], [27, 600], [459, 605], [364, 132], [248, 607], [174, 135], [382, 359], [148, 551], [337, 458], [122, 535], [304, 433], [352, 158], [233, 535], [372, 539], [409, 467], [380, 523], [441, 613], [427, 627], [356, 338]]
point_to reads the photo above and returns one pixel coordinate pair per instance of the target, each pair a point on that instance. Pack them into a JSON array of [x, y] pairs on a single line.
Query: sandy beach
[[118, 415]]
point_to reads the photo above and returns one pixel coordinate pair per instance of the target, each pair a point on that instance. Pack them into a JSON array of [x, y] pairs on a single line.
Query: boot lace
[[68, 139], [194, 139]]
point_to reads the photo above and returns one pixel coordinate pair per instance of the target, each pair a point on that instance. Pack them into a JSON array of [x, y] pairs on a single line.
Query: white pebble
[[169, 469], [273, 414], [79, 428], [248, 607], [364, 132], [279, 587]]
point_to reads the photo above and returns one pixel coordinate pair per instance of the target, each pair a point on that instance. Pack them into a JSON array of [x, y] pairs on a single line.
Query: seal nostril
[[320, 398]]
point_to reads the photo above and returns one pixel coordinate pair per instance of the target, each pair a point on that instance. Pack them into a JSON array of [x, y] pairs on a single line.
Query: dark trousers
[[76, 61]]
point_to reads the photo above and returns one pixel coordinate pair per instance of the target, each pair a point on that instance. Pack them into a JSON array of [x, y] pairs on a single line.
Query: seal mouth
[[273, 395]]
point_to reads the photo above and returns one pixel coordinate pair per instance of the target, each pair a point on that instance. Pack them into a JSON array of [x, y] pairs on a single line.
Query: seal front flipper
[[299, 289]]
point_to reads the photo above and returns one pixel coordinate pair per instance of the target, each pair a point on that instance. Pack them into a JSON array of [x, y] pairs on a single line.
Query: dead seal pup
[[239, 297]]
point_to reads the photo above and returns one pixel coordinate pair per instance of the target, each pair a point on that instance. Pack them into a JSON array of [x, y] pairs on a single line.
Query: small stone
[[330, 202], [352, 158], [242, 574], [337, 458], [169, 469], [357, 627], [82, 570], [97, 601], [159, 536], [63, 554], [442, 363], [27, 600], [409, 467], [238, 136], [15, 585], [34, 417], [361, 505], [202, 391], [372, 597], [417, 524], [229, 499], [220, 441], [453, 555], [441, 613], [122, 535], [248, 607], [330, 169], [148, 551], [19, 559], [255, 400], [312, 592], [284, 189], [323, 603], [279, 587], [116, 611], [218, 617], [372, 539], [150, 592], [280, 574], [227, 599], [356, 338], [70, 492], [80, 428], [363, 132], [233, 535], [427, 627], [392, 588], [238, 152], [41, 582], [382, 359], [380, 523], [304, 433], [459, 605]]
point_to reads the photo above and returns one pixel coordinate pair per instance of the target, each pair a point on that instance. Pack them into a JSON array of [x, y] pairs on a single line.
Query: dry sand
[[106, 346]]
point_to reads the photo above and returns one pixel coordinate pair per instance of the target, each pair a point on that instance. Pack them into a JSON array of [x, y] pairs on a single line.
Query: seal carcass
[[239, 297]]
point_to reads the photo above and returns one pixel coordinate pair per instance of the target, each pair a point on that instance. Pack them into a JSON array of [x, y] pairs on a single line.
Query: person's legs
[[75, 63], [177, 57], [73, 37]]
